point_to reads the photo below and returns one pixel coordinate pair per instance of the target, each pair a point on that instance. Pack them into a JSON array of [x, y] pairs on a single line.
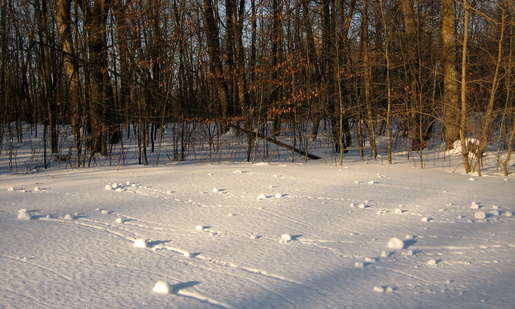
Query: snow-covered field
[[257, 236], [264, 235]]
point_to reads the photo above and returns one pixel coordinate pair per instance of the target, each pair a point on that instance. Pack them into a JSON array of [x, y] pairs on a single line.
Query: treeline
[[103, 65]]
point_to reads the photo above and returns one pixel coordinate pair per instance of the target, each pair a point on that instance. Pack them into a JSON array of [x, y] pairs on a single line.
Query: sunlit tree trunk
[[71, 79], [451, 91]]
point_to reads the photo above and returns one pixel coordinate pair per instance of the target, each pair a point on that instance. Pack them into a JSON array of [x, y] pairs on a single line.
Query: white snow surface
[[337, 257]]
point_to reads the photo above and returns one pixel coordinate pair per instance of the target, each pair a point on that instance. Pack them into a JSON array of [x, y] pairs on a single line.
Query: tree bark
[[451, 91]]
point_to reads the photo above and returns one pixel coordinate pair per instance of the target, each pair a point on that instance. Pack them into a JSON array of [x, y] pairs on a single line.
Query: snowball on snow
[[261, 197], [432, 262], [385, 254], [278, 195], [474, 205], [215, 190], [37, 189], [10, 189], [68, 217], [199, 227], [480, 215], [187, 254], [508, 214], [395, 243], [23, 214], [359, 264], [141, 243], [119, 220], [108, 187], [162, 287], [286, 238], [379, 289]]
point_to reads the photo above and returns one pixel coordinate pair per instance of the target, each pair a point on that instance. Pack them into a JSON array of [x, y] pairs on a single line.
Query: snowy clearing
[[315, 235]]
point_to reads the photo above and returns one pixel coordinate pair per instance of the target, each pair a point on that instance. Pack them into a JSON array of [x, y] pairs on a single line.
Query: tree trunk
[[215, 53], [451, 91], [71, 81]]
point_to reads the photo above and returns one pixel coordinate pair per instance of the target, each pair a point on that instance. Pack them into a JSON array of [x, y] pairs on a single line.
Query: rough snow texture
[[334, 256]]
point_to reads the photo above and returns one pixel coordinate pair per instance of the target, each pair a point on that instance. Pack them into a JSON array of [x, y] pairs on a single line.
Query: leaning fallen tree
[[276, 142]]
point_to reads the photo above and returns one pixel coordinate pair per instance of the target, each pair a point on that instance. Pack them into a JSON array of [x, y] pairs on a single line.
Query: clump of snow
[[200, 227], [37, 189], [407, 252], [480, 215], [187, 254], [286, 238], [425, 219], [472, 179], [508, 214], [379, 289], [359, 264], [474, 205], [104, 211], [399, 211], [108, 187], [24, 214], [371, 182], [238, 172], [395, 243], [278, 195], [432, 262], [162, 287], [119, 220], [385, 254], [141, 243], [69, 217], [216, 190], [261, 197]]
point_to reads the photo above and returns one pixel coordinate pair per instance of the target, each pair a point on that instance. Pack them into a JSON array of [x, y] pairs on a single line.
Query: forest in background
[[107, 69]]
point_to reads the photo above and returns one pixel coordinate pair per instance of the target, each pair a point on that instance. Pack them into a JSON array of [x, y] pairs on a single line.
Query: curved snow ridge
[[320, 245], [461, 247], [26, 261], [100, 226], [402, 273], [203, 298], [186, 253], [249, 269]]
